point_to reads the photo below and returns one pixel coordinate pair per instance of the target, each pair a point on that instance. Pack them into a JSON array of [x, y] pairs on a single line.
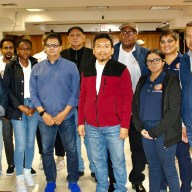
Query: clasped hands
[[27, 110]]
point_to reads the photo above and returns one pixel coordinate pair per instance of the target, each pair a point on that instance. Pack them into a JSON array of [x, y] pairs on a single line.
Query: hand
[[81, 130], [123, 133], [24, 109], [59, 118], [184, 135], [145, 134], [31, 112], [48, 119]]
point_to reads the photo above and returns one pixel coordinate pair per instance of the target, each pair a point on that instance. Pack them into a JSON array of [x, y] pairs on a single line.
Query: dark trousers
[[8, 140], [59, 149], [137, 156]]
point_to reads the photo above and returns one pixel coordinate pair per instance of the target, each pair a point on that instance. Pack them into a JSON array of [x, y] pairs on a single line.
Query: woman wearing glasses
[[21, 112], [156, 115]]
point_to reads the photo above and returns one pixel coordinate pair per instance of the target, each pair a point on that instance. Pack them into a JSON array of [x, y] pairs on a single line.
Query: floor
[[86, 182]]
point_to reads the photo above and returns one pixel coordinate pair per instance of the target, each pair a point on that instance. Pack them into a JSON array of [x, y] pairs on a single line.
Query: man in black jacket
[[81, 56]]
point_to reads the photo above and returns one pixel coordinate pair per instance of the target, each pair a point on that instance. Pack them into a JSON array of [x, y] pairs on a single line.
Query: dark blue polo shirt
[[174, 66], [150, 99]]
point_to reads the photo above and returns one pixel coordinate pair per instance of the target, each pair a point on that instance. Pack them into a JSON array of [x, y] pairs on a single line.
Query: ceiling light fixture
[[36, 10], [161, 8]]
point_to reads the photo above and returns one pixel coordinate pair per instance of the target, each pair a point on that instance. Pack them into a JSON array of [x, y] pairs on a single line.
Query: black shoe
[[33, 172], [93, 175], [111, 187], [138, 187], [81, 173], [10, 170]]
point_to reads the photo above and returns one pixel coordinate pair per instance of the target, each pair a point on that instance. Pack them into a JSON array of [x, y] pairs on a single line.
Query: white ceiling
[[93, 15]]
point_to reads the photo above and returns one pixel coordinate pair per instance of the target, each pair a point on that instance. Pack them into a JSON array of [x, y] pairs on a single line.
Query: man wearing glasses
[[133, 56], [54, 88]]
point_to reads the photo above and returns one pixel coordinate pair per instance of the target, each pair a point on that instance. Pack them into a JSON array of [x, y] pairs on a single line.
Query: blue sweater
[[54, 86]]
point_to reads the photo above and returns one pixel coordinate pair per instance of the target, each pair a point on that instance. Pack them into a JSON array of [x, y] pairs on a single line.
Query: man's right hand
[[24, 109], [48, 119], [81, 130]]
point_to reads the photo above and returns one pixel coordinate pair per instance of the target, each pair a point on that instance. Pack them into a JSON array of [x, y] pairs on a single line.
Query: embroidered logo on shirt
[[158, 88], [177, 66]]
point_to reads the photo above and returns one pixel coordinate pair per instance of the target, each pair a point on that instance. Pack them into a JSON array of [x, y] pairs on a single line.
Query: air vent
[[8, 4]]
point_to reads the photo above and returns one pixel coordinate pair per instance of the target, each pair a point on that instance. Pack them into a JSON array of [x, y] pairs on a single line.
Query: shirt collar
[[56, 61], [159, 79]]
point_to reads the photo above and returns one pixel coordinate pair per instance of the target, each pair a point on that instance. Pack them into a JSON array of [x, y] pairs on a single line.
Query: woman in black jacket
[[156, 115], [21, 112]]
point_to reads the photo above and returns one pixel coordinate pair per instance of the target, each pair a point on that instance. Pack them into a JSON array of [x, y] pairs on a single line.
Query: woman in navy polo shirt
[[156, 115]]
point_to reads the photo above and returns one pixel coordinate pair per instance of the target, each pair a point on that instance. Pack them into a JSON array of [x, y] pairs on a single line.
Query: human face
[[128, 38], [76, 39], [168, 45], [24, 50], [7, 50], [53, 48], [188, 37], [103, 50], [155, 63]]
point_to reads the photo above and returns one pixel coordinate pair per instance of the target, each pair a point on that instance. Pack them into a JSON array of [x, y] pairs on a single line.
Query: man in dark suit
[[82, 57]]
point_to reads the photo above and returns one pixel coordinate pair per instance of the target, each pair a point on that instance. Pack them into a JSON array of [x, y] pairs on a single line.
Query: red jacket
[[112, 105]]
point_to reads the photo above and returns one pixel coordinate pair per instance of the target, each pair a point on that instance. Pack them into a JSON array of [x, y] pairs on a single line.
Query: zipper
[[96, 111]]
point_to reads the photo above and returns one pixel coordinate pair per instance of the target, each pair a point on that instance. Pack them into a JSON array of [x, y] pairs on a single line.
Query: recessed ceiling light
[[161, 8], [36, 10]]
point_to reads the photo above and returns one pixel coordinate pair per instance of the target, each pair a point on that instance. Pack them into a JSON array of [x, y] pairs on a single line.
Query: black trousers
[[137, 156], [59, 149]]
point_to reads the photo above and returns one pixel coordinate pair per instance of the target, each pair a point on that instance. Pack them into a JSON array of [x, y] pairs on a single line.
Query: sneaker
[[20, 184], [10, 170], [50, 187], [73, 187], [33, 172], [41, 163], [60, 163], [28, 178]]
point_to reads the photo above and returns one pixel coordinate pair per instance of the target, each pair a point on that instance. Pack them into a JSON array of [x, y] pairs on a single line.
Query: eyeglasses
[[169, 41], [8, 48], [25, 49], [128, 33], [51, 45], [154, 61]]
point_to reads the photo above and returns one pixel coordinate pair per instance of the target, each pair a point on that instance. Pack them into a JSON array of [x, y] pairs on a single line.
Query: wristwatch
[[42, 113]]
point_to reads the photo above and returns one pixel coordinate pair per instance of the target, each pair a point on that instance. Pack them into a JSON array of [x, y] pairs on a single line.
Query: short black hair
[[6, 39], [156, 51], [102, 36], [22, 41], [173, 33], [54, 35], [75, 27]]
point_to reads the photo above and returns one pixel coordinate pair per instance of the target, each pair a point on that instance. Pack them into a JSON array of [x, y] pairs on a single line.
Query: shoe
[[74, 187], [28, 178], [138, 187], [111, 187], [20, 184], [60, 163], [93, 175], [10, 170], [41, 163], [33, 172], [50, 187], [81, 173]]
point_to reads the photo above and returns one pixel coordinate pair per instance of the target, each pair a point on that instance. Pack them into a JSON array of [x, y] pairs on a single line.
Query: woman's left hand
[[145, 134]]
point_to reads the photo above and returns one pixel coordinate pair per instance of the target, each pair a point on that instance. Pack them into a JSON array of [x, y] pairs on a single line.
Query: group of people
[[104, 94]]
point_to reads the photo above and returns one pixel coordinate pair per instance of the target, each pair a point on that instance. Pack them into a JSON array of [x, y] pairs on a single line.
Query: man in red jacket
[[105, 106]]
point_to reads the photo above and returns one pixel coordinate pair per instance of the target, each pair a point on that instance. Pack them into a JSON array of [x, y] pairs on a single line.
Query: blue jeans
[[1, 145], [24, 132], [101, 139], [185, 167], [87, 146], [67, 131], [160, 157]]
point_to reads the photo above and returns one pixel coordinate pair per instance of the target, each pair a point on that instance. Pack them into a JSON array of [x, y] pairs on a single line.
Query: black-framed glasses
[[169, 41], [52, 45], [154, 61], [128, 33]]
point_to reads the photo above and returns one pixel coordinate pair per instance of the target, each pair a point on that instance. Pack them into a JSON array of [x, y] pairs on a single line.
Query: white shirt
[[2, 66], [40, 56], [27, 73], [190, 56], [129, 60], [99, 69]]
